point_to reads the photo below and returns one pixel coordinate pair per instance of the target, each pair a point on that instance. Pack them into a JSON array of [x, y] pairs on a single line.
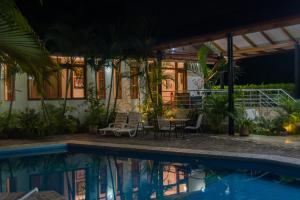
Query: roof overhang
[[248, 41]]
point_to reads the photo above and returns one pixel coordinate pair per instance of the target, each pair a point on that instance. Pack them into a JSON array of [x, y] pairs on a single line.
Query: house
[[176, 81]]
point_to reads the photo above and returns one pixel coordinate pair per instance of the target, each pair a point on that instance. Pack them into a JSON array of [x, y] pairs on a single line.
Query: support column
[[297, 71], [222, 80], [230, 82]]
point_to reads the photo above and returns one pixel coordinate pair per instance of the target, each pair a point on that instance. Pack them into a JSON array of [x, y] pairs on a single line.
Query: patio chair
[[198, 124], [120, 121], [165, 126], [132, 127]]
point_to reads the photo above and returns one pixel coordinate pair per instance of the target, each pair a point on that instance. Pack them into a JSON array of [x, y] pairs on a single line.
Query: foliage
[[30, 124], [210, 75], [267, 126], [19, 44], [286, 120], [59, 124], [11, 127], [289, 106], [148, 112], [241, 119], [96, 110], [216, 110], [288, 87]]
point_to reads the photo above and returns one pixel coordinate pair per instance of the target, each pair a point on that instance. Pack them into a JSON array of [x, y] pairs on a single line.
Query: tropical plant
[[30, 124], [268, 126], [216, 110], [95, 110], [290, 106], [210, 75], [10, 128], [19, 44], [57, 123], [243, 122]]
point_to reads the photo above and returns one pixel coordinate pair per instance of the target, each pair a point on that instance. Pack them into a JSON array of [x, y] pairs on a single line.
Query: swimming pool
[[80, 172]]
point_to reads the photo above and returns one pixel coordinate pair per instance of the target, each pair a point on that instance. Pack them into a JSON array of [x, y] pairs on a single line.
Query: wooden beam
[[267, 37], [249, 40], [287, 33], [267, 47], [236, 48], [218, 47], [250, 28]]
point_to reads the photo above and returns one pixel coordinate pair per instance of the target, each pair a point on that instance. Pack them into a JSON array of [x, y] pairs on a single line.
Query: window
[[134, 82], [101, 84], [118, 83], [78, 80], [9, 84], [55, 87]]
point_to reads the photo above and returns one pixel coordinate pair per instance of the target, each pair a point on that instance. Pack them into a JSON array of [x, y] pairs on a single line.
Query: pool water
[[102, 175]]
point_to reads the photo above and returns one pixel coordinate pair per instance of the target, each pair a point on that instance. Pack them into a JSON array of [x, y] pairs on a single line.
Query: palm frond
[[19, 45]]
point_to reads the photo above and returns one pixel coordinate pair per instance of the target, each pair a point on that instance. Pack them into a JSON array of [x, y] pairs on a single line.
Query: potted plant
[[92, 121], [95, 111], [243, 123]]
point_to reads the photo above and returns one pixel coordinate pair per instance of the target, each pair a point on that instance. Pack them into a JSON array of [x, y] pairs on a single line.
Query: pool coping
[[17, 150]]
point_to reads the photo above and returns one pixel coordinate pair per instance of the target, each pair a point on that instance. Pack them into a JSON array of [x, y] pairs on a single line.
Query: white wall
[[125, 104]]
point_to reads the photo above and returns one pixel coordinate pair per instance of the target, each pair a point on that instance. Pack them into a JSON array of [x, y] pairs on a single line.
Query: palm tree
[[20, 48], [19, 45], [61, 38], [211, 75]]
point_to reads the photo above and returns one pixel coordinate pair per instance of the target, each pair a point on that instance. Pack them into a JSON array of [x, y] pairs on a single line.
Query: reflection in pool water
[[90, 176]]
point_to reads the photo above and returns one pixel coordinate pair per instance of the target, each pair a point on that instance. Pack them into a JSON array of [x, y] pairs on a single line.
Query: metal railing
[[255, 98]]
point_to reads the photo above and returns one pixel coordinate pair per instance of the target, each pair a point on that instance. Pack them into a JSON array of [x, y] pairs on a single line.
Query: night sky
[[166, 20]]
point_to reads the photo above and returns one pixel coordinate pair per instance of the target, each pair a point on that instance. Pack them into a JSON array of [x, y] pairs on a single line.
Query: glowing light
[[202, 189], [185, 188], [227, 191], [287, 141], [173, 50], [109, 196], [289, 127]]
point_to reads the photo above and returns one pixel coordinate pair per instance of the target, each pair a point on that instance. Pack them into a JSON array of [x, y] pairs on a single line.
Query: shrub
[[10, 128], [96, 112], [29, 124], [58, 123], [216, 110], [288, 87]]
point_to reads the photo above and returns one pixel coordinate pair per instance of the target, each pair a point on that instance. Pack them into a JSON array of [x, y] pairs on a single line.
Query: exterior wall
[[125, 104]]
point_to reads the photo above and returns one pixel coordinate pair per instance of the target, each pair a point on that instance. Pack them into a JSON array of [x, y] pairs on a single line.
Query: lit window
[[56, 86], [101, 83], [118, 83], [9, 83], [134, 82]]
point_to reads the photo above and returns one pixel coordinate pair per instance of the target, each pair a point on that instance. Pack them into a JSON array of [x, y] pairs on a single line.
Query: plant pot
[[244, 131], [93, 129]]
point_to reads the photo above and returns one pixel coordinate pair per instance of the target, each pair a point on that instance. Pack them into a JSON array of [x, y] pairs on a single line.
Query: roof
[[248, 41]]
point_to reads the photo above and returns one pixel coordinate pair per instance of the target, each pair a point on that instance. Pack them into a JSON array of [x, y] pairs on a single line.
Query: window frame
[[84, 66], [99, 94], [120, 77], [134, 91], [9, 79]]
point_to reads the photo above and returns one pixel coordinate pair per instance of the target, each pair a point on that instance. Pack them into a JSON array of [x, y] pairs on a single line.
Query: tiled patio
[[288, 146]]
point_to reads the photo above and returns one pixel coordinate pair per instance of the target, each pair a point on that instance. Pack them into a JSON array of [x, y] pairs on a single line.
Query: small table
[[182, 123]]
